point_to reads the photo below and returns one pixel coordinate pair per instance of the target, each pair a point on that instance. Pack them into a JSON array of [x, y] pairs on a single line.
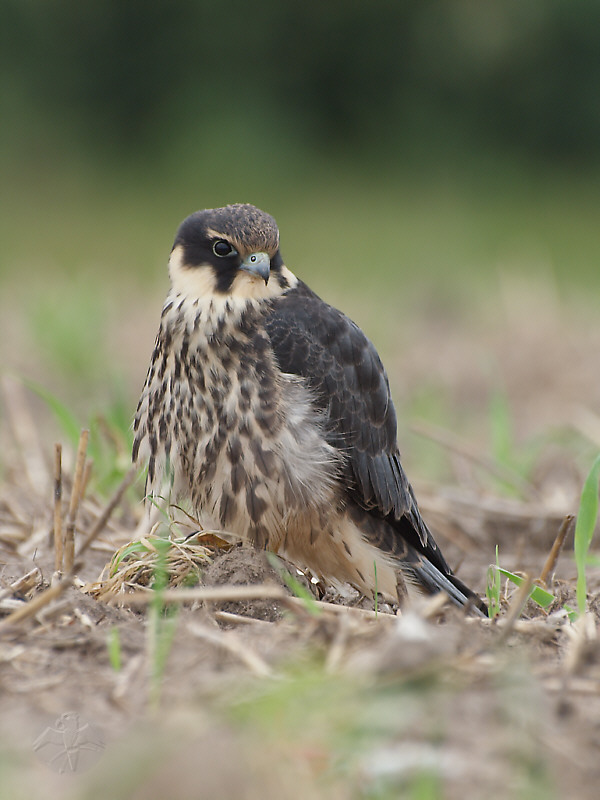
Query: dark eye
[[222, 249]]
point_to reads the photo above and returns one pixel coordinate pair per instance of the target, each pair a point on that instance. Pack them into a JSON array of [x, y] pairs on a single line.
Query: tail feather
[[435, 581], [409, 543]]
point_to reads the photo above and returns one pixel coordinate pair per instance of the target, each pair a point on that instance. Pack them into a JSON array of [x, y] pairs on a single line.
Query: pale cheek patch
[[199, 282], [190, 282]]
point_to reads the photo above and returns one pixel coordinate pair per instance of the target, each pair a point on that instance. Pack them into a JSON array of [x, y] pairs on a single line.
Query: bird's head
[[229, 252]]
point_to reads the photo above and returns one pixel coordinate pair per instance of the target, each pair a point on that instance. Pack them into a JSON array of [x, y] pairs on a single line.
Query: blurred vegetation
[[132, 76], [464, 133], [413, 153]]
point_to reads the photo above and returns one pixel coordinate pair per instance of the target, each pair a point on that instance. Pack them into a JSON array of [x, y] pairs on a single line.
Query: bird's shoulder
[[320, 343], [316, 341]]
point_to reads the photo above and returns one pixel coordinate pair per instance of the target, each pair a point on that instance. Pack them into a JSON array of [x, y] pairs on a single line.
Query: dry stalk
[[58, 539], [37, 603], [108, 510], [240, 619], [76, 495], [556, 548], [52, 611], [44, 598], [22, 584], [364, 613], [232, 644], [86, 477], [262, 591], [515, 609]]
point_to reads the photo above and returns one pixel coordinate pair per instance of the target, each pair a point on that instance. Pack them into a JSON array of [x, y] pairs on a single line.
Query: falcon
[[271, 412]]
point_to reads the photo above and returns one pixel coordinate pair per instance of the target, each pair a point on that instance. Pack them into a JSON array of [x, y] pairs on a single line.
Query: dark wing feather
[[316, 341]]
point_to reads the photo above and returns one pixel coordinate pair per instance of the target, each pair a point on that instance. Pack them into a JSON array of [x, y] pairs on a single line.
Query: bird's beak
[[258, 264]]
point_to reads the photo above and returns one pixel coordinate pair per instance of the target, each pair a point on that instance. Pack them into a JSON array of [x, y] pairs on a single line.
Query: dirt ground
[[259, 692]]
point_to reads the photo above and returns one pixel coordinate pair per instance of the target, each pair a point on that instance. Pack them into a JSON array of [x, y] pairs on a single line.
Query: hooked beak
[[257, 264]]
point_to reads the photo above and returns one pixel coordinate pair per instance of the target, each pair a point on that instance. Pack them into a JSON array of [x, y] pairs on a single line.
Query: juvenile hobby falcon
[[271, 411]]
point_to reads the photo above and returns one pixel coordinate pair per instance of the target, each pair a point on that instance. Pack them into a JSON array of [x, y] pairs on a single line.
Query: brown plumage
[[271, 411]]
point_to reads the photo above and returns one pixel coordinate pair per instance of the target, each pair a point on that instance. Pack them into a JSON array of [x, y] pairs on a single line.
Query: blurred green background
[[413, 153]]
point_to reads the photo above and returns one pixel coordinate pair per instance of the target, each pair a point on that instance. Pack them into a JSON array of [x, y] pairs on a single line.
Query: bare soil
[[275, 696]]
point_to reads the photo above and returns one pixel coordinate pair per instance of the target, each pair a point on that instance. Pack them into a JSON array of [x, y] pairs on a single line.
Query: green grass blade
[[584, 529], [538, 595], [492, 589], [134, 547], [571, 613]]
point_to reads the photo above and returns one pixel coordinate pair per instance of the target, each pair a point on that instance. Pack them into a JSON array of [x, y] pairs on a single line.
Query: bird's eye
[[222, 249]]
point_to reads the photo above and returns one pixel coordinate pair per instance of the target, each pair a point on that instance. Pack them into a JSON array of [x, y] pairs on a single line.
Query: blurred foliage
[[128, 76], [65, 334], [418, 123], [413, 153], [455, 137]]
